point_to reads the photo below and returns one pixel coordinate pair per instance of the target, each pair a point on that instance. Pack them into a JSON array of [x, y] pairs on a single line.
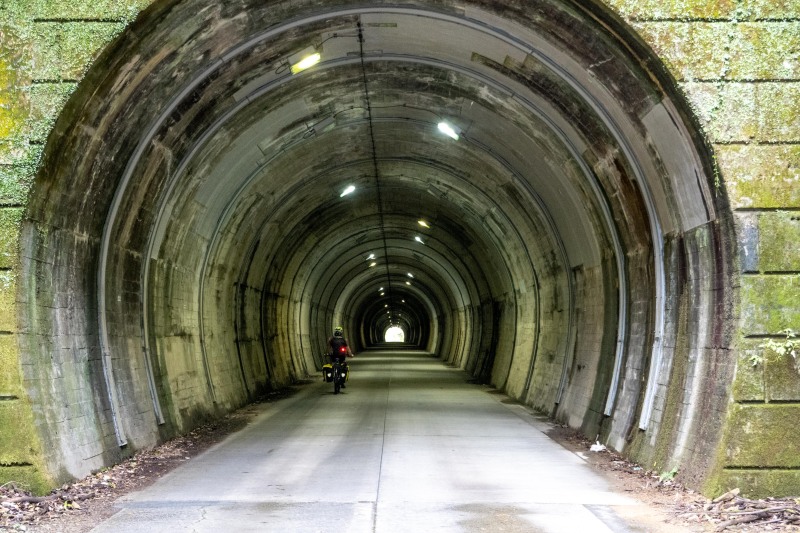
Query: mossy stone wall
[[738, 62]]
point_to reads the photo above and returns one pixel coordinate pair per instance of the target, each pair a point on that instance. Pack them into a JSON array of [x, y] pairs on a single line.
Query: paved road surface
[[409, 446]]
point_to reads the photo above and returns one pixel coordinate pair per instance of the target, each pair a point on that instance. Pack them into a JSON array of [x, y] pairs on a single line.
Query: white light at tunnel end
[[347, 191], [394, 334], [448, 130]]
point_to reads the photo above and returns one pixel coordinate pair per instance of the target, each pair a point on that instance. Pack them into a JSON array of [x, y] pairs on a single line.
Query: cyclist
[[338, 348]]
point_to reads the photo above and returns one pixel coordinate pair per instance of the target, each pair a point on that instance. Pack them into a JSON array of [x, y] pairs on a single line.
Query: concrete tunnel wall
[[184, 246]]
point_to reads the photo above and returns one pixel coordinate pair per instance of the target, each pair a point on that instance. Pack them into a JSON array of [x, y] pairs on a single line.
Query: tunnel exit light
[[448, 130]]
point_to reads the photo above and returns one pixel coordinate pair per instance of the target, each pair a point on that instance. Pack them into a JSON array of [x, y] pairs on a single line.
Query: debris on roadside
[[730, 512], [733, 512], [22, 511]]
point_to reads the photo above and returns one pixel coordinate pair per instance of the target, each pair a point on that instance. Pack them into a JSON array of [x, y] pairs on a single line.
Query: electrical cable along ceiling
[[486, 177]]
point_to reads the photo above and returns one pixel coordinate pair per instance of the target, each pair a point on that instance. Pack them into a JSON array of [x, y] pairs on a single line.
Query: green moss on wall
[[706, 9], [29, 476], [670, 9], [18, 436], [10, 379], [749, 382], [782, 376], [8, 308], [769, 303], [737, 112], [47, 101], [761, 483], [779, 242], [761, 176], [763, 435], [64, 50], [721, 50], [10, 219], [123, 10], [11, 107], [15, 182]]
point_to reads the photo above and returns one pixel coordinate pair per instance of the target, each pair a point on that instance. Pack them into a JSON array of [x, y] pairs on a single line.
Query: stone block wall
[[738, 64]]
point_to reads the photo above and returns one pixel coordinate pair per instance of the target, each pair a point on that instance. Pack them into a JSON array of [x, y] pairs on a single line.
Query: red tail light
[[343, 349]]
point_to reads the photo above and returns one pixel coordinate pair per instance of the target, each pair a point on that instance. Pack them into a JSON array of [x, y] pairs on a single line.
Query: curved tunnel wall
[[201, 252]]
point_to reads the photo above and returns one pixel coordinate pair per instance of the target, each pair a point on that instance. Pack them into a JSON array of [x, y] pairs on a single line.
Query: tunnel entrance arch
[[575, 227]]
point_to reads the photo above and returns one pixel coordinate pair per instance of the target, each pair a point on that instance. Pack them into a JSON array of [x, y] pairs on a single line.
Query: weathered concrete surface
[[409, 445], [558, 221]]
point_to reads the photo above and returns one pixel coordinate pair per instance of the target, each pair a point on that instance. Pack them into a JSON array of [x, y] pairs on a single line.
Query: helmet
[[338, 331]]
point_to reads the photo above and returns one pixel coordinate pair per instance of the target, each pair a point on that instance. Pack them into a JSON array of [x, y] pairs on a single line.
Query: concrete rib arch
[[561, 207]]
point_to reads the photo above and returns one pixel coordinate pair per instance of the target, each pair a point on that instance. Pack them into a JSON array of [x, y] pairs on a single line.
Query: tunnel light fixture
[[410, 275], [403, 301], [386, 305], [380, 290], [419, 239], [369, 258], [372, 264], [423, 223], [448, 130], [304, 60], [408, 283], [383, 293], [347, 191]]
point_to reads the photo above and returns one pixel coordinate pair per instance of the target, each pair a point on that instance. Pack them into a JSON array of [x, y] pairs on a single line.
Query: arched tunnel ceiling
[[208, 178], [269, 149]]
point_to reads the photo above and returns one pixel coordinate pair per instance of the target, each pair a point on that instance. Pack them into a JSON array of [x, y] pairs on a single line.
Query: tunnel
[[521, 189]]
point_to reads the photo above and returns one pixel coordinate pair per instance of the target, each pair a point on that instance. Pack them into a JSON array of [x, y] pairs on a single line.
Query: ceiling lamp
[[423, 223], [347, 191], [305, 59], [419, 239], [448, 130]]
